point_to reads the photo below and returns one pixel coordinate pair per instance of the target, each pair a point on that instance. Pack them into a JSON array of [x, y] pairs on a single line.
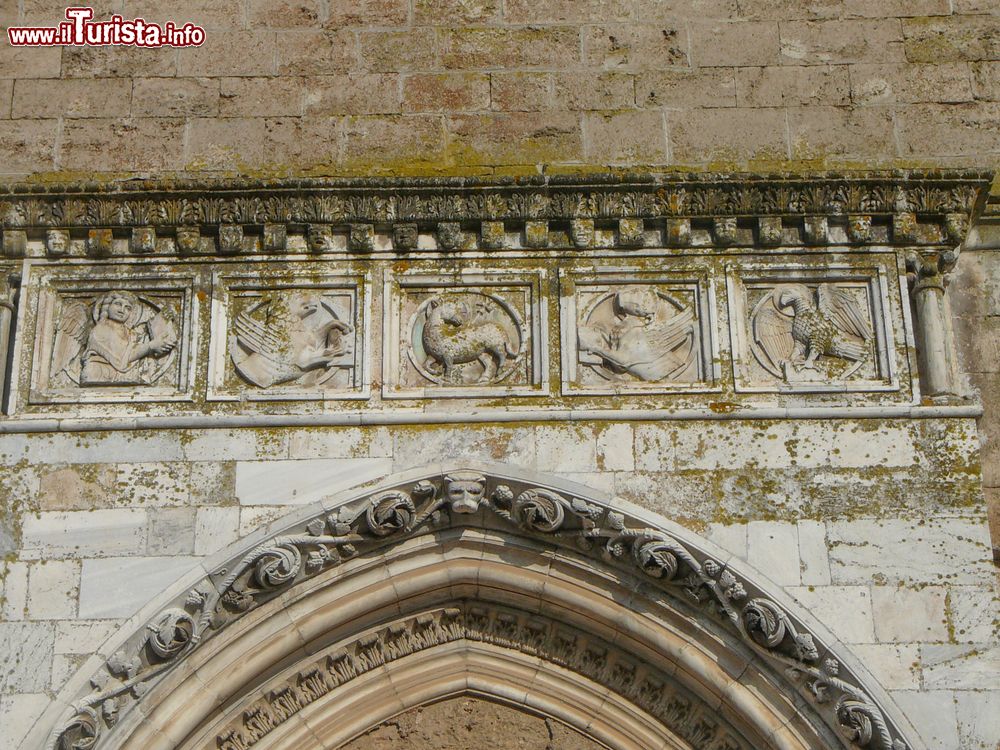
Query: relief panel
[[104, 335], [468, 336], [289, 337], [812, 330], [626, 331]]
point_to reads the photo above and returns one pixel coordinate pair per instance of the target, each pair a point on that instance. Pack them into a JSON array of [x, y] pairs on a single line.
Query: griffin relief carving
[[118, 338], [799, 332], [303, 341], [638, 332], [466, 338]]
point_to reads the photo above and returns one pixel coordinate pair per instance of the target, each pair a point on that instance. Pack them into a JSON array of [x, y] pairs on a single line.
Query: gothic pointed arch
[[481, 581]]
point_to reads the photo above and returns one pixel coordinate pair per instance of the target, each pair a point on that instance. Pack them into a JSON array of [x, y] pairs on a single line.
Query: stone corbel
[[935, 345], [9, 285]]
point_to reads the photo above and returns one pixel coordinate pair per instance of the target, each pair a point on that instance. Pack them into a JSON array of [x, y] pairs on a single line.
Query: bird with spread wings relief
[[793, 326], [305, 345]]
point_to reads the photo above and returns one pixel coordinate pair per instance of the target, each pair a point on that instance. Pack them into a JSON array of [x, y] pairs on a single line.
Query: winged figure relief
[[305, 342], [119, 338], [793, 326], [637, 332]]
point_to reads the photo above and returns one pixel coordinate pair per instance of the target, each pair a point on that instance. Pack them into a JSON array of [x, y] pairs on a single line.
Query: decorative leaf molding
[[922, 207], [372, 523]]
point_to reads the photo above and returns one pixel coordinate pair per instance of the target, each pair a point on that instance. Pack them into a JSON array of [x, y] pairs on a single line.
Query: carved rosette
[[369, 524]]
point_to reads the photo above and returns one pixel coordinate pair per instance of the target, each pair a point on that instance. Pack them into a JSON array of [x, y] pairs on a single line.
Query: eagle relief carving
[[466, 338], [117, 338], [800, 333], [638, 333], [303, 341]]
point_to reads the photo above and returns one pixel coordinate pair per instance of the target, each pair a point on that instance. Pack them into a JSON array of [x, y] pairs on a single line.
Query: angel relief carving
[[638, 332], [118, 338], [304, 340], [811, 333]]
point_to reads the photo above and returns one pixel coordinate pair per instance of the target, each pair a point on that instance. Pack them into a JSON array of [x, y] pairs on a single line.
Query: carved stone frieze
[[206, 216], [463, 337], [101, 337], [637, 332], [813, 329], [373, 522], [282, 336]]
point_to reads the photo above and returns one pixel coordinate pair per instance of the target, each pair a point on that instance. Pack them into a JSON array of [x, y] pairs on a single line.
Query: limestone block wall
[[876, 527]]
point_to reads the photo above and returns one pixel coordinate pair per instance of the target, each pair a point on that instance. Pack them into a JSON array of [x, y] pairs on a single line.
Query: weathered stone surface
[[53, 587], [625, 137], [177, 97], [632, 47], [466, 722], [587, 91], [890, 552], [839, 42], [773, 548], [70, 97], [303, 482], [514, 137], [520, 92], [13, 590], [775, 86], [932, 714], [959, 667], [171, 531], [906, 84], [314, 52], [215, 529], [51, 535], [119, 586], [259, 97], [97, 144], [77, 487], [727, 43], [702, 135], [906, 615], [841, 132], [849, 607], [978, 718], [446, 92], [895, 667], [18, 713], [531, 47], [936, 40], [352, 95], [711, 87], [27, 649]]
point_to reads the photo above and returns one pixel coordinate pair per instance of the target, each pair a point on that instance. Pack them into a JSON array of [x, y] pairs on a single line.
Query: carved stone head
[[465, 490], [56, 241]]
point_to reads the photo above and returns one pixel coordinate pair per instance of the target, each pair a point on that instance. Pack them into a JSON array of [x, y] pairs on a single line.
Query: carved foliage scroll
[[682, 572]]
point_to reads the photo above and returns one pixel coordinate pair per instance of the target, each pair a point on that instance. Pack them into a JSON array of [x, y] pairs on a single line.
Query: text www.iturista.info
[[80, 30]]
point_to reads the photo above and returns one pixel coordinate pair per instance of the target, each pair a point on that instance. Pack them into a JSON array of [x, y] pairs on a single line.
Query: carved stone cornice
[[718, 594], [246, 216]]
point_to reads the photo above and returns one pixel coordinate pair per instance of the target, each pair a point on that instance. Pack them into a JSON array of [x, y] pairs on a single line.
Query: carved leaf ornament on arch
[[385, 517]]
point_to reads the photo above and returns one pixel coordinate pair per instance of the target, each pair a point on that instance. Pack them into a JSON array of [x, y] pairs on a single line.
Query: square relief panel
[[811, 330], [465, 335], [289, 337], [106, 333], [626, 331]]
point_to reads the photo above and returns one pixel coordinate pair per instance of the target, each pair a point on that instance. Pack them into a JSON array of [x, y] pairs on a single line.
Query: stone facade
[[249, 363]]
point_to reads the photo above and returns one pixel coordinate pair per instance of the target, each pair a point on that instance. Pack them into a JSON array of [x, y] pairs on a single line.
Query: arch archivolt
[[472, 582]]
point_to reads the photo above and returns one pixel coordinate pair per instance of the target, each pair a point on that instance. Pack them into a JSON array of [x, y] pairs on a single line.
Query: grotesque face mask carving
[[465, 490]]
